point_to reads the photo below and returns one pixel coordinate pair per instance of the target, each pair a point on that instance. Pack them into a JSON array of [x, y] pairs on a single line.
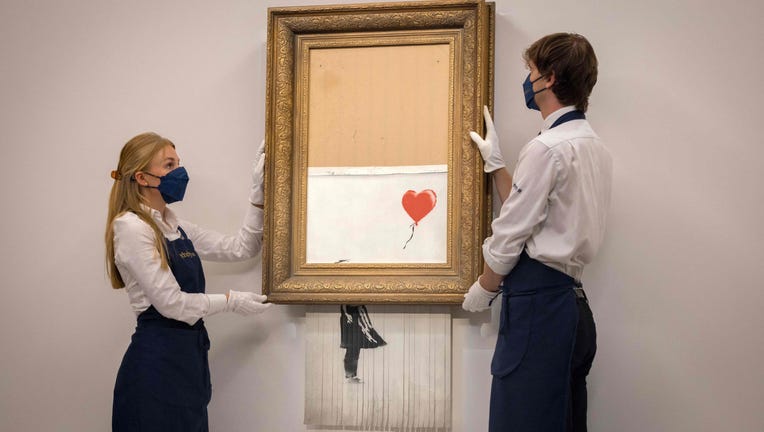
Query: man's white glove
[[489, 147], [477, 298], [258, 167], [246, 303]]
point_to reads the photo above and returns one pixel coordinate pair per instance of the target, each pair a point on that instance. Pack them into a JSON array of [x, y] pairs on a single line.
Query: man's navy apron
[[163, 383], [531, 363]]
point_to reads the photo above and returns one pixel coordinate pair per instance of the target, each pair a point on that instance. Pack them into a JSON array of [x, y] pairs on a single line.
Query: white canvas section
[[355, 214]]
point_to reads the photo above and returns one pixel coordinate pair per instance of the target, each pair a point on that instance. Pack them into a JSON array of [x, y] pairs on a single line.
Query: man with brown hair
[[551, 224]]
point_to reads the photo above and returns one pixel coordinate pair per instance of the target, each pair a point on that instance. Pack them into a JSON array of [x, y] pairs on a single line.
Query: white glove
[[258, 167], [477, 298], [489, 147], [246, 303]]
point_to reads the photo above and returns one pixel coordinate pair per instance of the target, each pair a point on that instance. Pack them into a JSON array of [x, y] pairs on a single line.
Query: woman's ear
[[140, 178]]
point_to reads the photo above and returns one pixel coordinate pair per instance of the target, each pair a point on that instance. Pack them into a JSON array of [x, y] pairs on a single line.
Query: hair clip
[[115, 175]]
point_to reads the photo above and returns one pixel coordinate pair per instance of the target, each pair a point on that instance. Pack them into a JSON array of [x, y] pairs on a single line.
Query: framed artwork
[[374, 192]]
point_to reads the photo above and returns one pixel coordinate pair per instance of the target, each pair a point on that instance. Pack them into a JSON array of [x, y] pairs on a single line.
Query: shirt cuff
[[498, 266], [218, 303]]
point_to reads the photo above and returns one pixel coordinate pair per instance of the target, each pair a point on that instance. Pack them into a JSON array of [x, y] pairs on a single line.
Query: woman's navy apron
[[163, 383], [531, 363]]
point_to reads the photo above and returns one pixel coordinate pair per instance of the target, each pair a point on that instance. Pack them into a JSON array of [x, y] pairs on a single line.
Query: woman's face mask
[[172, 185]]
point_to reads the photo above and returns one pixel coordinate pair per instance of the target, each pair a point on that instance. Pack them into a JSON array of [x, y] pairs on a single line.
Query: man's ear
[[550, 81]]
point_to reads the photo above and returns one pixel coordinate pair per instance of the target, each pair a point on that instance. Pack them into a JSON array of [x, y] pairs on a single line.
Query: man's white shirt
[[558, 206]]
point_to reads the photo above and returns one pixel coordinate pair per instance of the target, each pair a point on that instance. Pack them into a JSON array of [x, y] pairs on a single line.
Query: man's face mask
[[530, 102], [172, 185]]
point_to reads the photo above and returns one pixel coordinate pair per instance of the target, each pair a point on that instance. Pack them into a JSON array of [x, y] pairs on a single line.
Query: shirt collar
[[551, 118], [168, 224]]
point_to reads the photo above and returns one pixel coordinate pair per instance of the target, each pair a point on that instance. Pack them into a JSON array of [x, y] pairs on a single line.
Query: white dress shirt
[[147, 284], [558, 205]]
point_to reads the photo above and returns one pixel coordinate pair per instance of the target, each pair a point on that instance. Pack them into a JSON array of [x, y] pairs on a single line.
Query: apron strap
[[568, 116]]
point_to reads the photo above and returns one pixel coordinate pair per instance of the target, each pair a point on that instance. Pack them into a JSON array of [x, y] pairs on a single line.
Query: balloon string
[[411, 236]]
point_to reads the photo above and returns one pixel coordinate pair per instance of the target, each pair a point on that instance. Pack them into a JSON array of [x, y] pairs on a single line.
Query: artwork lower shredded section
[[377, 369]]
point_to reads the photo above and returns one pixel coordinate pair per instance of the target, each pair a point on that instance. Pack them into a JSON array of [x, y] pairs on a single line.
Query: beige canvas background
[[379, 106]]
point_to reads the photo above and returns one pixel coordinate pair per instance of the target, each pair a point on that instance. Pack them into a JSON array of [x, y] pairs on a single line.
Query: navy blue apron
[[163, 383], [531, 363]]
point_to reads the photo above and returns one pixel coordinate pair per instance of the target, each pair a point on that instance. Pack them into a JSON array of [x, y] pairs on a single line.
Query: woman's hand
[[258, 168], [246, 303]]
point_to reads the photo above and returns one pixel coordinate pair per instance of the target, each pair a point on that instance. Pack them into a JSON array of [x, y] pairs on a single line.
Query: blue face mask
[[530, 101], [172, 185]]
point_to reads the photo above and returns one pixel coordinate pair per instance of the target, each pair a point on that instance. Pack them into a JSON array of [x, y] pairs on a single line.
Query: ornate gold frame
[[468, 27]]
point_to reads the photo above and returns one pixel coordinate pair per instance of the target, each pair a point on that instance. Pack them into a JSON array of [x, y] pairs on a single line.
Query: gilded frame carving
[[467, 26]]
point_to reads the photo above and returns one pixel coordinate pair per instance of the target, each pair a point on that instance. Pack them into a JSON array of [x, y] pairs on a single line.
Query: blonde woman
[[163, 383]]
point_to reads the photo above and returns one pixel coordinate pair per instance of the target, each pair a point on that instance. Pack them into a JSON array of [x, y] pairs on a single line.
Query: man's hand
[[477, 298], [489, 147]]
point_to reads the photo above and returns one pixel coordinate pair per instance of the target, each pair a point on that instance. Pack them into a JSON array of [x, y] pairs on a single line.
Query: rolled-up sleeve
[[136, 254], [214, 246], [524, 209]]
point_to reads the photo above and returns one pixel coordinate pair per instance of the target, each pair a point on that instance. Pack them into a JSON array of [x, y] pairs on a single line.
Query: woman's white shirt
[[147, 283]]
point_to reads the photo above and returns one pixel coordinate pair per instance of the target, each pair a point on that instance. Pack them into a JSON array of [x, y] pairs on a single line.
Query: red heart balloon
[[417, 205]]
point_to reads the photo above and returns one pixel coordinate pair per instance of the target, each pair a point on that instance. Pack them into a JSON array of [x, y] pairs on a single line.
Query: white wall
[[677, 289]]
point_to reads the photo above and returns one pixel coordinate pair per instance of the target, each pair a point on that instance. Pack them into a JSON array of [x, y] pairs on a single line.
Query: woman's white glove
[[477, 298], [246, 303], [489, 147], [258, 167]]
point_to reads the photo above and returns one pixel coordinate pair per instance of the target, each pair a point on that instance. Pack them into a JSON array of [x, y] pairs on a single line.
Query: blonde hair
[[125, 196]]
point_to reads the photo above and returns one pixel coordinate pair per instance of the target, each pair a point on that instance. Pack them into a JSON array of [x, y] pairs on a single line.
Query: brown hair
[[125, 196], [571, 59]]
